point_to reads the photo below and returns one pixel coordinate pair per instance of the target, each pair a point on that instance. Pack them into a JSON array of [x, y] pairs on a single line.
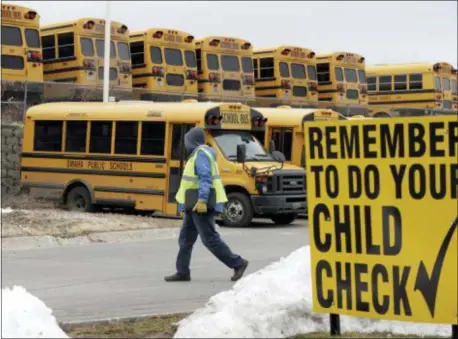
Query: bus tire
[[284, 219], [79, 200], [238, 211]]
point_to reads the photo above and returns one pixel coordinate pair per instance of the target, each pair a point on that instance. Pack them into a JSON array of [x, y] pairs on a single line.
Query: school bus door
[[177, 155]]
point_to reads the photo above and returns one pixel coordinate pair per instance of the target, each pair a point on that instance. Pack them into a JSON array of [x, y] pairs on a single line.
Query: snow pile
[[6, 210], [276, 302], [26, 316]]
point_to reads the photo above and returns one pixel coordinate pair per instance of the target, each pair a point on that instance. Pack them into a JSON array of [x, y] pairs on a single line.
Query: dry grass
[[154, 327], [65, 224]]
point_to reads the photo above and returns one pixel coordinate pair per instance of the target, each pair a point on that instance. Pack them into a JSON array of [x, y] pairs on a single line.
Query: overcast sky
[[383, 32]]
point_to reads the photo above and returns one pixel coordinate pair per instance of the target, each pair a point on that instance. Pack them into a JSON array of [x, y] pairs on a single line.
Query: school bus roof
[[403, 68], [77, 22], [278, 49], [142, 110], [8, 6], [221, 38], [287, 116], [30, 22], [151, 31], [331, 54]]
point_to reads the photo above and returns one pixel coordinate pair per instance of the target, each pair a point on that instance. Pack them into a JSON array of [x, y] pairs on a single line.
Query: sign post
[[382, 197]]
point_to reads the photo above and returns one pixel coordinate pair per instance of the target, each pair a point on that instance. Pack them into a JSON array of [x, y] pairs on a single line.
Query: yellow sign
[[382, 201]]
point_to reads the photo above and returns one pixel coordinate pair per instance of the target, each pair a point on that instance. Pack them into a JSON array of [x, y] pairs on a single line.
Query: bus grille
[[284, 182]]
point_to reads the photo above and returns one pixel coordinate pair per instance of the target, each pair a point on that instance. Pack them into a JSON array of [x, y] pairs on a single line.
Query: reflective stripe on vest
[[190, 180]]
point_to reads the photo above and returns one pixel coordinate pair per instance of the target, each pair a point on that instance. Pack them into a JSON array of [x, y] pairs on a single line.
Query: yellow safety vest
[[191, 181]]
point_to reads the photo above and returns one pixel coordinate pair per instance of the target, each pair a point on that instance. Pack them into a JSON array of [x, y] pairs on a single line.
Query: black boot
[[238, 271], [177, 277]]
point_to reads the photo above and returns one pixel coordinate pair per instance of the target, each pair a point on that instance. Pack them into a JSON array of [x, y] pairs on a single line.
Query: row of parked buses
[[164, 64]]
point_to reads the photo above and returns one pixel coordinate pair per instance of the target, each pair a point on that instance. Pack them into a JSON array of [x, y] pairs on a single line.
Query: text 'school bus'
[[285, 75], [163, 65], [285, 130], [132, 155], [21, 52], [342, 82], [225, 69], [411, 89], [73, 52]]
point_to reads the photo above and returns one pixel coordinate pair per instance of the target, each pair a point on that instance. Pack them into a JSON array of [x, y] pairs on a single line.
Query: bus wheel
[[238, 211], [78, 200], [284, 219]]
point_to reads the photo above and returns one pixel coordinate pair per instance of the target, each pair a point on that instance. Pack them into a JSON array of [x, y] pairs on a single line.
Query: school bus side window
[[75, 140], [256, 68], [283, 138], [66, 45], [177, 137], [400, 82], [385, 83], [284, 70], [153, 138], [100, 137], [156, 55], [126, 137], [11, 36], [48, 136], [190, 58], [199, 60], [49, 47], [415, 81], [339, 74], [372, 84], [266, 67], [137, 53]]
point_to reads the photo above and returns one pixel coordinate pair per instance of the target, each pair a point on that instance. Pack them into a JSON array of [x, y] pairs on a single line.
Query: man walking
[[201, 174]]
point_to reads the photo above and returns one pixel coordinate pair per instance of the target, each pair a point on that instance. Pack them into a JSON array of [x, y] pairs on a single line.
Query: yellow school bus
[[129, 154], [410, 89], [225, 69], [342, 84], [21, 51], [163, 64], [285, 75], [73, 52], [285, 127]]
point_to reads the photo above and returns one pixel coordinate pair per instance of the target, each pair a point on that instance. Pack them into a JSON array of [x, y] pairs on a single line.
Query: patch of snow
[[276, 302], [26, 316], [7, 210]]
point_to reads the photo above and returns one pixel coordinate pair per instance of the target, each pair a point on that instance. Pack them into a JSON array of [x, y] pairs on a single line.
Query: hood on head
[[194, 138]]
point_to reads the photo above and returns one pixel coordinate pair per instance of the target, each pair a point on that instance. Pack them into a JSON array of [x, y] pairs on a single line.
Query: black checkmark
[[428, 285]]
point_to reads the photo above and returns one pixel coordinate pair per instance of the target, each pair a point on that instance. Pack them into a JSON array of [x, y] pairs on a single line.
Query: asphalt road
[[92, 282]]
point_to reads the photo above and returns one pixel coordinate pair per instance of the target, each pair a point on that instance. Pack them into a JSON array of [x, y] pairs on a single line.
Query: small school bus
[[285, 127], [163, 65], [285, 75], [21, 50], [225, 69], [411, 89], [127, 154], [342, 84], [73, 52]]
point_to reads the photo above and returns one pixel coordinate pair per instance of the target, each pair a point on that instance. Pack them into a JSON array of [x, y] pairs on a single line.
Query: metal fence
[[18, 96]]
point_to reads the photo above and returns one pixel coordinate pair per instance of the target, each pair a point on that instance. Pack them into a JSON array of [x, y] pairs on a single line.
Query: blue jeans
[[195, 224]]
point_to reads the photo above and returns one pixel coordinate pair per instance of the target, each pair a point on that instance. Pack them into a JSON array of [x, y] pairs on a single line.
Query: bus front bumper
[[279, 204]]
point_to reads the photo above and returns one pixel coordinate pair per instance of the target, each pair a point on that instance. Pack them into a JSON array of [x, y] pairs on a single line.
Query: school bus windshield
[[227, 141]]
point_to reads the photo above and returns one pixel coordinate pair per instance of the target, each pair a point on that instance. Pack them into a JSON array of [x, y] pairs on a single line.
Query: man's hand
[[200, 207]]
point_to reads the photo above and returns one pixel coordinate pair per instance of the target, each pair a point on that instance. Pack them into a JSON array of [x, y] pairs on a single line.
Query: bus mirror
[[241, 153], [278, 156], [271, 146]]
